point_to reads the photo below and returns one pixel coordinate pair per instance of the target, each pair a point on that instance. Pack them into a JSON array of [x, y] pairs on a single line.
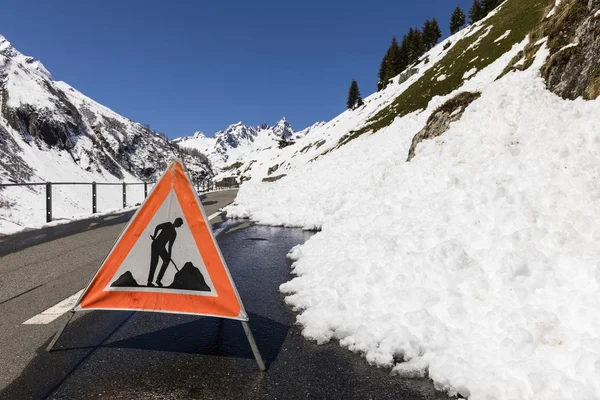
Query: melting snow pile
[[477, 263]]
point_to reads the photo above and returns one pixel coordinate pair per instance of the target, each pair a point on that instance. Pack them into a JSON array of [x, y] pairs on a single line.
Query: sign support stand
[[255, 351], [60, 331]]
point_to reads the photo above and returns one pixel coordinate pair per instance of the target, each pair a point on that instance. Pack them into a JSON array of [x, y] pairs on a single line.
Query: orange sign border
[[227, 303]]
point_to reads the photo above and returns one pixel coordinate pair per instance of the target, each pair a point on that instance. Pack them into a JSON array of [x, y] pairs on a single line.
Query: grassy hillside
[[476, 51]]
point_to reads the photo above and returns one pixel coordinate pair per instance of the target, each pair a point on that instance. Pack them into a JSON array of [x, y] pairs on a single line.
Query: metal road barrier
[[208, 185], [203, 186], [94, 186]]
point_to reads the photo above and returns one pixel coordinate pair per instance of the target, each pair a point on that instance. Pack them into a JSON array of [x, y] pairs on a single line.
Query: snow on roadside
[[478, 262]]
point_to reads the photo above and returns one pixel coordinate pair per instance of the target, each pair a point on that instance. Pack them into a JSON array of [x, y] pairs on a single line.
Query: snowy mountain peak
[[6, 49], [238, 141], [283, 129], [237, 131], [12, 54], [234, 136]]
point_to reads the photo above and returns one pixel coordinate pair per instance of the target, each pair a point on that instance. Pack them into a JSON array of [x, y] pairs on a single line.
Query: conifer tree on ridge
[[476, 12], [457, 21], [354, 99]]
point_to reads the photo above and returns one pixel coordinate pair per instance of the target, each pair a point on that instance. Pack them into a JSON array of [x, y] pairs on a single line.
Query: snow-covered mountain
[[240, 143], [51, 132], [198, 141], [459, 211]]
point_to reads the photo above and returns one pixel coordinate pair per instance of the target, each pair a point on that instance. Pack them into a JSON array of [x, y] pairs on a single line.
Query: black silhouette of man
[[164, 235]]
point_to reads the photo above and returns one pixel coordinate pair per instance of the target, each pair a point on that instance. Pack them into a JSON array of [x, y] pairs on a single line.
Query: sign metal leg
[[257, 356], [59, 333]]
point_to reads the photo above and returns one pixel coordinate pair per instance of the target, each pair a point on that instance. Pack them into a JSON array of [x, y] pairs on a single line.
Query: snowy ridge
[[51, 132], [476, 264], [198, 141], [239, 142]]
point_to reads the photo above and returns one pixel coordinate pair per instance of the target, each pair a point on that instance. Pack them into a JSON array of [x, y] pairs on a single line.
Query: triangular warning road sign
[[166, 259]]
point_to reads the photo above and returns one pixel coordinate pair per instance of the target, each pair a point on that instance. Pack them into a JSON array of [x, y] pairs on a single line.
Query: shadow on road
[[210, 336]]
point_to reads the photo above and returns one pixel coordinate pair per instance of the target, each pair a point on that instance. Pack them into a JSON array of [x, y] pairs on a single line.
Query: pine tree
[[431, 33], [416, 45], [382, 83], [427, 34], [404, 53], [437, 30], [488, 5], [457, 20], [476, 11], [354, 99], [394, 62]]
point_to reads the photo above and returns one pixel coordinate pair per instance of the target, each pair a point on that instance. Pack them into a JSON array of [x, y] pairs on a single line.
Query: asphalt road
[[136, 355]]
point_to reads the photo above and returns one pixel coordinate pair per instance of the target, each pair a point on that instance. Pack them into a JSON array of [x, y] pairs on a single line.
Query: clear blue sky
[[183, 66]]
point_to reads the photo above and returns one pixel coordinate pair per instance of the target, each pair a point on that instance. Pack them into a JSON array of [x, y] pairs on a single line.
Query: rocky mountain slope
[[51, 132], [459, 211]]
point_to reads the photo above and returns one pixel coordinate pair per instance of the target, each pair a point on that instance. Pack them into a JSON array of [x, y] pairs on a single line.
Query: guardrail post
[[124, 195], [94, 201], [48, 202], [145, 189]]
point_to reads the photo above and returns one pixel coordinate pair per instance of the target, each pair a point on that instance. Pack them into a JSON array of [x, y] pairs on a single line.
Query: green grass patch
[[348, 137], [518, 16]]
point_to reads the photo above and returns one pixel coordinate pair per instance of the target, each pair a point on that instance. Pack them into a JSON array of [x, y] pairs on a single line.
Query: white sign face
[[165, 258]]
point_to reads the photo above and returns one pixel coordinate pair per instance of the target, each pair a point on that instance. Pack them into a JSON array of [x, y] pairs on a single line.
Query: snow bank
[[478, 263]]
